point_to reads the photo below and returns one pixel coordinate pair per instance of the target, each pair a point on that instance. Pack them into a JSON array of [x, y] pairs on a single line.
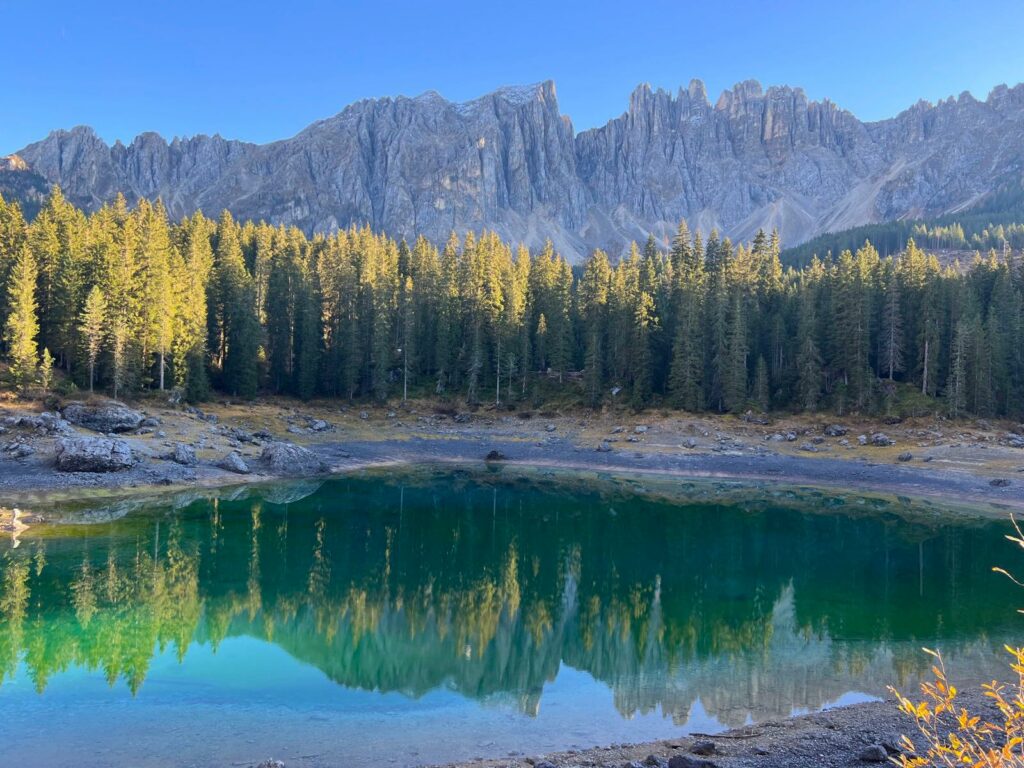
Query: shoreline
[[35, 482], [843, 736]]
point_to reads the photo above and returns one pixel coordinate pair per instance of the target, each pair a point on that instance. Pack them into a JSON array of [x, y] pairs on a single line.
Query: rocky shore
[[844, 737], [78, 449]]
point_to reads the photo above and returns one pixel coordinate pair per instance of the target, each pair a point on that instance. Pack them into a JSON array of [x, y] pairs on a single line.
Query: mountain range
[[511, 161]]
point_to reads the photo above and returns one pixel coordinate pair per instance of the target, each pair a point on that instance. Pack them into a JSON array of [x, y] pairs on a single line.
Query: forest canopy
[[123, 300]]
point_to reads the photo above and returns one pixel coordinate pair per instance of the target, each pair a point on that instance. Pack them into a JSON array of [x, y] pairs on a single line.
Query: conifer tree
[[808, 359], [408, 350], [92, 325], [46, 364], [687, 362], [594, 289], [235, 318], [956, 389], [735, 372], [891, 358], [643, 323], [22, 325], [762, 396]]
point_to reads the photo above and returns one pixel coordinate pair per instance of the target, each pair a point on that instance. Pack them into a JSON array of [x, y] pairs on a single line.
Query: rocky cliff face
[[510, 161]]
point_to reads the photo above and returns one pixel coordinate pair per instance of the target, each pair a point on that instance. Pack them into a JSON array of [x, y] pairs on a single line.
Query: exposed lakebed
[[391, 619]]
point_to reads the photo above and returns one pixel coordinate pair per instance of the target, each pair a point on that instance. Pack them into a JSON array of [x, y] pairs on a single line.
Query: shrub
[[949, 734]]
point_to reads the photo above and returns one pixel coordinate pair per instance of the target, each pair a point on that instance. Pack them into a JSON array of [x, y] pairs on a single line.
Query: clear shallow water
[[369, 620]]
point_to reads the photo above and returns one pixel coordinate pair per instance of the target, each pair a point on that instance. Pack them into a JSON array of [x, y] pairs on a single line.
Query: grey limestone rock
[[94, 454], [511, 162]]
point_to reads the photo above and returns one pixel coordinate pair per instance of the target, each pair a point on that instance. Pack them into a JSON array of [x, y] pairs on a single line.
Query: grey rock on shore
[[93, 454], [106, 417], [184, 454], [234, 462], [283, 458]]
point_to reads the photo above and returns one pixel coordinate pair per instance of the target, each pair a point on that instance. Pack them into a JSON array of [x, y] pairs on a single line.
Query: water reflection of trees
[[489, 590]]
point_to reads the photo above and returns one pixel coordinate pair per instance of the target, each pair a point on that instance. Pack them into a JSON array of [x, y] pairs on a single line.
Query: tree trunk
[[924, 377]]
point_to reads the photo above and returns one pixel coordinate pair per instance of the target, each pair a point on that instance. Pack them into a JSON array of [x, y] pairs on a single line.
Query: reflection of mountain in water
[[489, 589]]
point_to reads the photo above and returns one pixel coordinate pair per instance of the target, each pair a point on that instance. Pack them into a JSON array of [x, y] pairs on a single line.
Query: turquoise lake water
[[390, 620]]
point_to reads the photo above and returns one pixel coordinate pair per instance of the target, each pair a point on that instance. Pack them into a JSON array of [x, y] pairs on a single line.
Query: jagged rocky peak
[[511, 162]]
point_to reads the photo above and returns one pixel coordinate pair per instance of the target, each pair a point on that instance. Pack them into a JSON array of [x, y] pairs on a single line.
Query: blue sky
[[262, 71]]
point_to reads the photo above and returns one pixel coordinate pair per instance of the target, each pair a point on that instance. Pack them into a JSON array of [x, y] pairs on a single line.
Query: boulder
[[289, 459], [234, 462], [882, 440], [110, 416], [43, 423], [94, 454], [703, 748], [905, 456], [19, 450], [495, 456], [835, 430], [875, 753], [685, 761], [184, 454]]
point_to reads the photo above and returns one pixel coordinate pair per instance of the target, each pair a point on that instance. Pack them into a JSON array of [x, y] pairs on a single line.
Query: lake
[[390, 619]]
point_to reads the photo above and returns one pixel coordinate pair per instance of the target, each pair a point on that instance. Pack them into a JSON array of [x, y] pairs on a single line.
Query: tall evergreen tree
[[92, 326], [22, 326]]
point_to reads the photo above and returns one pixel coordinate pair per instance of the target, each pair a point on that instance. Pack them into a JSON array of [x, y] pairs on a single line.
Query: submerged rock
[[105, 417], [495, 456], [289, 459], [94, 454]]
